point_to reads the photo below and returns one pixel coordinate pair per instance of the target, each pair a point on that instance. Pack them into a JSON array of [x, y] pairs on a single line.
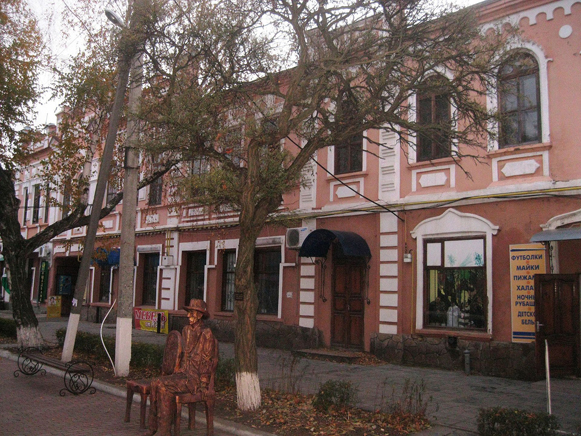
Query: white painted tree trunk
[[248, 391], [123, 346], [70, 337], [29, 337]]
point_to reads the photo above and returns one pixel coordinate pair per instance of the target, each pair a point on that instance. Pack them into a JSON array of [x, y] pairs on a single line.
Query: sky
[[47, 109]]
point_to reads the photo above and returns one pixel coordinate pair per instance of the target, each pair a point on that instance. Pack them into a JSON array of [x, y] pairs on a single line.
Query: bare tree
[[229, 83]]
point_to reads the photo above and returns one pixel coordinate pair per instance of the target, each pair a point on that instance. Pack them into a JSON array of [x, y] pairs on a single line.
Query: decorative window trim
[[492, 99], [452, 224]]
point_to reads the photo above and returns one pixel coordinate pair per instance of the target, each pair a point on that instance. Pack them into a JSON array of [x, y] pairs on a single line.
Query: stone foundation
[[499, 359], [268, 334]]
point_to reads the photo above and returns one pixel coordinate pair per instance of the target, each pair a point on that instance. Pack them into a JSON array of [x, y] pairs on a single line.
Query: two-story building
[[448, 269]]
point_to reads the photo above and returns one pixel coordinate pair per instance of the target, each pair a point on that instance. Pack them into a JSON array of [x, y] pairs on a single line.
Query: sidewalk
[[456, 398]]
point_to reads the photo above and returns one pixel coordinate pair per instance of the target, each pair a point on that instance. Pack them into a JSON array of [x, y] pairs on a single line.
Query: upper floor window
[[25, 214], [36, 204], [434, 119], [519, 98], [155, 192], [349, 155]]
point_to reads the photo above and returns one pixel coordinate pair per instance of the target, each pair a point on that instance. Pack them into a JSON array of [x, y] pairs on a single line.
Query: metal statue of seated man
[[192, 375]]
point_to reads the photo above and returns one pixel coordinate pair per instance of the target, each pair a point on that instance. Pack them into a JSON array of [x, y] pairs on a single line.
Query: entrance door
[[557, 316], [347, 316]]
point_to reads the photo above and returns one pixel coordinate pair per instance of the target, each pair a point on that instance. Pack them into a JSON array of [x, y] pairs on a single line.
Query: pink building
[[450, 266]]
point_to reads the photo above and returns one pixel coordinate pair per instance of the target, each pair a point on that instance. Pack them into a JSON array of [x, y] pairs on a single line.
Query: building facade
[[461, 260]]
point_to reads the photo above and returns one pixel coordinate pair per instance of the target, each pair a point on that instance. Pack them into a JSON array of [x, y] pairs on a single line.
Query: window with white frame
[[455, 283], [266, 278], [454, 271], [519, 100], [434, 117]]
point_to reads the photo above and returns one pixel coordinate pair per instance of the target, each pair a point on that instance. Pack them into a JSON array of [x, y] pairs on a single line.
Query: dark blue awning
[[318, 242]]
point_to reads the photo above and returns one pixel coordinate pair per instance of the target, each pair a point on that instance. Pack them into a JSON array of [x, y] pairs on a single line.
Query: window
[[36, 204], [196, 274], [228, 277], [150, 279], [25, 206], [111, 193], [519, 97], [434, 120], [155, 192], [266, 277], [455, 284], [349, 156], [66, 200], [105, 284], [46, 203], [233, 145]]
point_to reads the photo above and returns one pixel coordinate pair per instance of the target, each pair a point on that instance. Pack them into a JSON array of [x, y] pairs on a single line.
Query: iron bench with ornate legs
[[78, 374]]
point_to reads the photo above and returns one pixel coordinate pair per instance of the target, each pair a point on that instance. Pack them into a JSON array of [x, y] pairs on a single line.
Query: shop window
[[519, 98], [349, 155], [455, 284], [151, 264], [228, 280], [266, 277], [36, 204], [105, 284], [434, 121], [196, 275]]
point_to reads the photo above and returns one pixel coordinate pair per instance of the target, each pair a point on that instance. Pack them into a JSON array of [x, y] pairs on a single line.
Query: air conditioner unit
[[296, 236], [44, 251]]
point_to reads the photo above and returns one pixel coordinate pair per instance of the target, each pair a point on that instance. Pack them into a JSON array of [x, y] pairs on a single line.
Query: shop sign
[[148, 319], [526, 260], [53, 306], [43, 281]]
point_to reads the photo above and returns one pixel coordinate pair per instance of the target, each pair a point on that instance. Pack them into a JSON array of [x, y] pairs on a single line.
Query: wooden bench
[[78, 376]]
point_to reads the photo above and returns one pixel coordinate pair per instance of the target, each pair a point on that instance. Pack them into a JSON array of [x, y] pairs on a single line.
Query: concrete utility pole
[[126, 264], [128, 49]]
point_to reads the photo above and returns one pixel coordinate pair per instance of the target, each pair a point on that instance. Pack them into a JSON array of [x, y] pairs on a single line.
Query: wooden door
[[557, 317], [347, 310]]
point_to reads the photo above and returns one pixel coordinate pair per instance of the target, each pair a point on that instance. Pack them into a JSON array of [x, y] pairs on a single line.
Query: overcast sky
[[46, 110]]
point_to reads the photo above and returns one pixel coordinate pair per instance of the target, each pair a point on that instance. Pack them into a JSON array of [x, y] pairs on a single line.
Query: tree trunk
[[247, 383], [22, 311]]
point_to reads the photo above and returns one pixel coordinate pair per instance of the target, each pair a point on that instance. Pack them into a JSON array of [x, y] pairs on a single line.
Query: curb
[[219, 424]]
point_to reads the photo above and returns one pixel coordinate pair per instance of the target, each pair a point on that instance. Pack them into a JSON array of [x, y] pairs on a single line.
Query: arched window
[[433, 108], [519, 100]]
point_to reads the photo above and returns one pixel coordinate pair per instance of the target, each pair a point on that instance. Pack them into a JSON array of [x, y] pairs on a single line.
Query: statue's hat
[[199, 305]]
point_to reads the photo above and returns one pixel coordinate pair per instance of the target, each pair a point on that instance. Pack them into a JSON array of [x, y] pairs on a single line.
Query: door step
[[332, 355]]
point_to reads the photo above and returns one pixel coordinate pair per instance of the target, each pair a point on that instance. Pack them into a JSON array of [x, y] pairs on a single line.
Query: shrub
[[498, 421], [225, 373], [142, 355], [336, 393], [412, 400], [7, 328]]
